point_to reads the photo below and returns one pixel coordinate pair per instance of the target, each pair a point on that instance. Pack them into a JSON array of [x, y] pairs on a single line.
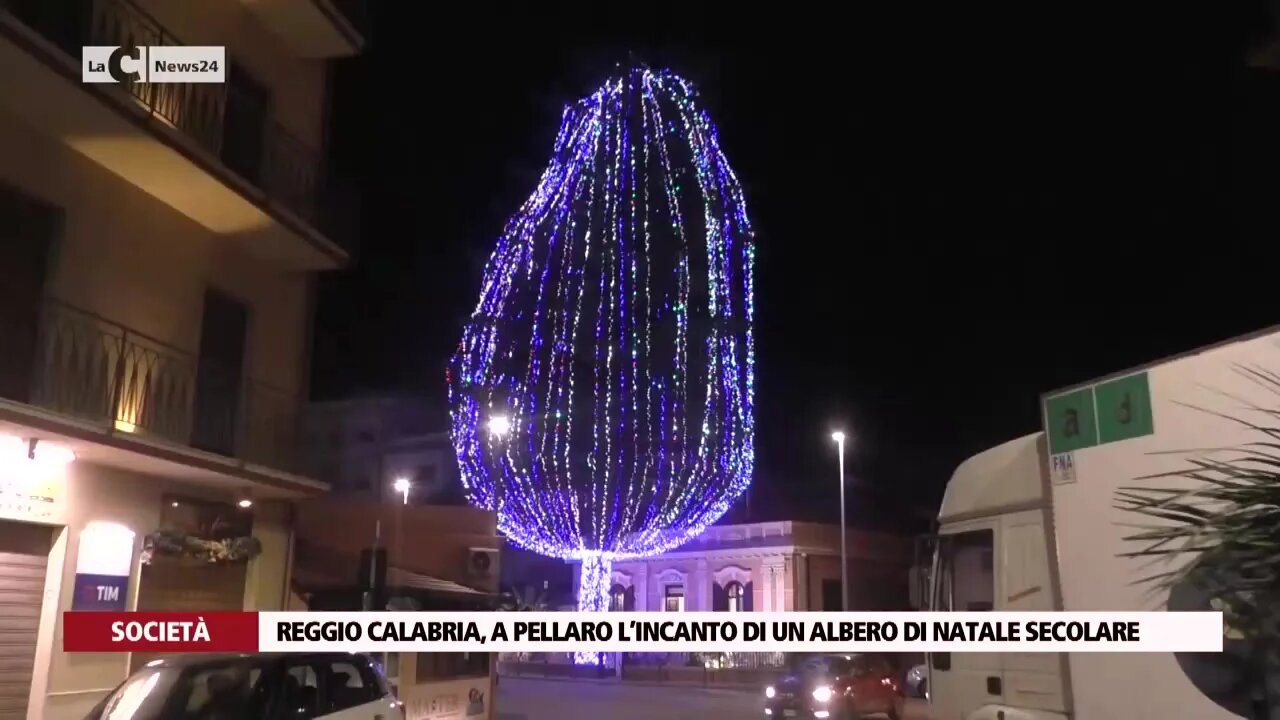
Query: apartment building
[[157, 247], [363, 446]]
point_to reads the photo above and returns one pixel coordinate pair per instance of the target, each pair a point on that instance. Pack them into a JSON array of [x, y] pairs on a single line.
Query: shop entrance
[[185, 578], [24, 557]]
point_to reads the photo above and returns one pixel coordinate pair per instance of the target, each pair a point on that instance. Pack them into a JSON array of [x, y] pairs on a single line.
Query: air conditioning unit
[[482, 562]]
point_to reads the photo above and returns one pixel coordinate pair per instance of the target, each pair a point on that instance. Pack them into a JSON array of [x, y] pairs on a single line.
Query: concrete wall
[[133, 260], [73, 683], [297, 85]]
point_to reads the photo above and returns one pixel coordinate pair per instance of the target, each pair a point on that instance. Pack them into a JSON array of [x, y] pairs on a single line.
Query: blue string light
[[602, 393]]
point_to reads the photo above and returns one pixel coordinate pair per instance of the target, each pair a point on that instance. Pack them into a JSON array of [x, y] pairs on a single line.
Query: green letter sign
[[1124, 408], [1069, 421]]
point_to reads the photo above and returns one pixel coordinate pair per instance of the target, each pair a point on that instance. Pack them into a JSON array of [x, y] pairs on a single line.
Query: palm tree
[[1222, 531], [528, 599]]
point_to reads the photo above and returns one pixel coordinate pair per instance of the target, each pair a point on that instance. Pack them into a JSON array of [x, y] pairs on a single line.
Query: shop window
[[204, 519]]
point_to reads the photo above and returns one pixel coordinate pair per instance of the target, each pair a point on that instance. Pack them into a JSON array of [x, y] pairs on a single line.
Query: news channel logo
[[154, 64]]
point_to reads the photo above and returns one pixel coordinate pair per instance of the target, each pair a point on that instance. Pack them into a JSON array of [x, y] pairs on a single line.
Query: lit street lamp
[[402, 486], [499, 425], [838, 436]]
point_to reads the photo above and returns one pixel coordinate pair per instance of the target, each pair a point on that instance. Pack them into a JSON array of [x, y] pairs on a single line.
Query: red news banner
[[160, 632]]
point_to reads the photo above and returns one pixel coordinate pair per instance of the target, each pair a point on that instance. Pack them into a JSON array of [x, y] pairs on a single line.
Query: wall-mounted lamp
[[42, 451], [245, 503]]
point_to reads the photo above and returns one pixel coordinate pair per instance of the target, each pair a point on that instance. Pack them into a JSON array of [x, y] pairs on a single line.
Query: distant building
[[362, 446], [768, 567]]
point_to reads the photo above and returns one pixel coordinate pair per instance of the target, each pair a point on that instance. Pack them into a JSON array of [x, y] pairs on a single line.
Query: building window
[[425, 481], [832, 595], [736, 594], [617, 598], [673, 601]]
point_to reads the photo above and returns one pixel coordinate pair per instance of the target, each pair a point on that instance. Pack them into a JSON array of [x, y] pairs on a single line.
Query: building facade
[[363, 446], [157, 243], [768, 567]]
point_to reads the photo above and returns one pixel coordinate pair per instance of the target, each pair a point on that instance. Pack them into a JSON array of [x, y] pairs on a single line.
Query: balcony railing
[[230, 124], [92, 369]]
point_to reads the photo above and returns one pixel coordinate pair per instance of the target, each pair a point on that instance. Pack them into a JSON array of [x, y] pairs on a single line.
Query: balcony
[[99, 374], [210, 151], [315, 28]]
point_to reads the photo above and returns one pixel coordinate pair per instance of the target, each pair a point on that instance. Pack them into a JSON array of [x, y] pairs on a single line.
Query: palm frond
[[1223, 514]]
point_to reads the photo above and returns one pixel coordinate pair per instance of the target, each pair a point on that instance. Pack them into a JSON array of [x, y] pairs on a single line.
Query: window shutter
[[629, 599], [748, 598], [719, 598]]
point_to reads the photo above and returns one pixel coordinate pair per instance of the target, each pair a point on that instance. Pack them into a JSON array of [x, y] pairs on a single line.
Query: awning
[[397, 577]]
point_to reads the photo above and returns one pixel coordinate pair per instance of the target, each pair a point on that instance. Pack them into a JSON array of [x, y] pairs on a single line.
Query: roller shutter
[[24, 556]]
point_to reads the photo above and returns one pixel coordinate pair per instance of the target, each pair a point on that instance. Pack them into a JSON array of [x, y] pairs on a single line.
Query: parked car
[[916, 684], [294, 686], [839, 687]]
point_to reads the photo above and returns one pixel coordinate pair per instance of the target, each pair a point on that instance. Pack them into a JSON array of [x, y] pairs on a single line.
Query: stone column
[[641, 581], [702, 581], [780, 585], [771, 572], [801, 576]]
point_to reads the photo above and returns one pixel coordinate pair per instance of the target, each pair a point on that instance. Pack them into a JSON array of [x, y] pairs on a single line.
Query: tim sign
[[103, 564], [101, 592]]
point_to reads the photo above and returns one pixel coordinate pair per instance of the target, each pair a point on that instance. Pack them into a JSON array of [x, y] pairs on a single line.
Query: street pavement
[[540, 699]]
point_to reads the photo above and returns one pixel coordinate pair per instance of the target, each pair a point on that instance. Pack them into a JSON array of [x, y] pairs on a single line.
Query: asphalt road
[[534, 699]]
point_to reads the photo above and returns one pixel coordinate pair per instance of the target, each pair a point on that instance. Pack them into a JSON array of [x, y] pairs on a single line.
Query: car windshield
[[220, 691], [825, 665]]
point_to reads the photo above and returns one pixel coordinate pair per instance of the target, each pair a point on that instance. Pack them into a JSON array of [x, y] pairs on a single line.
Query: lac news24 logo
[[154, 64]]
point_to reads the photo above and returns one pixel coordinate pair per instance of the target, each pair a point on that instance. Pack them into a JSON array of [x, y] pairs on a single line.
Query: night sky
[[954, 213]]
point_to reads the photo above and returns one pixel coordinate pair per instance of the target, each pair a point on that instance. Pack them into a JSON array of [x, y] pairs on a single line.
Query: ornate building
[[768, 567]]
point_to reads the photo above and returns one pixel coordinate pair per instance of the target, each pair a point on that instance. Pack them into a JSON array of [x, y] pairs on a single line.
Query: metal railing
[[97, 370], [229, 124]]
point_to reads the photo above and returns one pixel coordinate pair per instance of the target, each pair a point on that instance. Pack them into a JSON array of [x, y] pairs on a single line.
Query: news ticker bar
[[642, 632]]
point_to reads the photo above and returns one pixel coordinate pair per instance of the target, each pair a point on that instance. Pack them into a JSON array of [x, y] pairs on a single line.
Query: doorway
[[219, 373], [27, 228]]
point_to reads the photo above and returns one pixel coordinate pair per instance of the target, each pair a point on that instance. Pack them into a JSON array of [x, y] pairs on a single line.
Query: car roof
[[196, 660]]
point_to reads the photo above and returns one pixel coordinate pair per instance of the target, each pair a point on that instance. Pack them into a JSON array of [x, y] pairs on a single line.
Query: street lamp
[[838, 436], [499, 425], [402, 486]]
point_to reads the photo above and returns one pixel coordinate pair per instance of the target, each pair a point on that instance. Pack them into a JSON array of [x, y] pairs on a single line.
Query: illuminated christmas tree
[[602, 393]]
